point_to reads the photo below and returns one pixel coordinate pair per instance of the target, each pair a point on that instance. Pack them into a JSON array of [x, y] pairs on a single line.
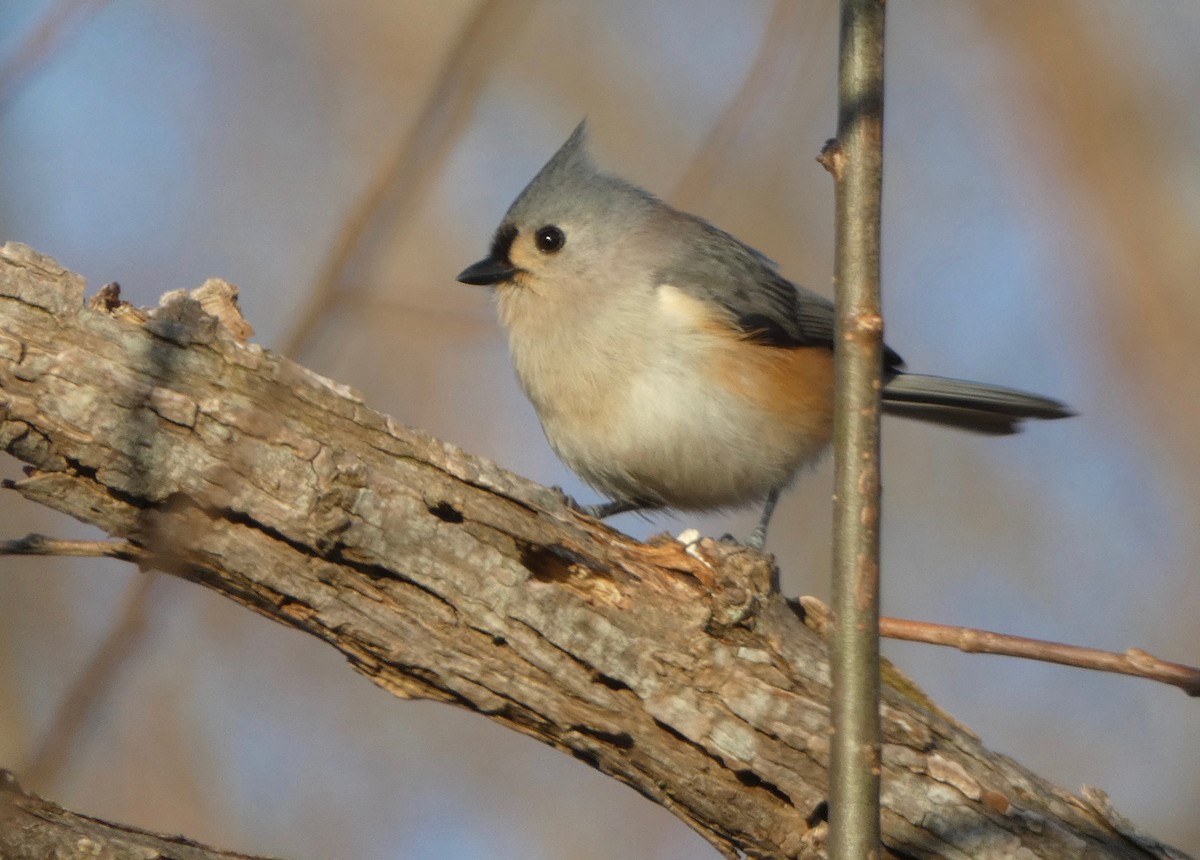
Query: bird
[[671, 365]]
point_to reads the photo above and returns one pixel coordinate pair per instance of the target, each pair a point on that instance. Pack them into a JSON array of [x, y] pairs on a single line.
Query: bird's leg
[[758, 537], [608, 509]]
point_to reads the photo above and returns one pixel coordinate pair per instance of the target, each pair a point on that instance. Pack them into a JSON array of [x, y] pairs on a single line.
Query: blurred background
[[342, 162]]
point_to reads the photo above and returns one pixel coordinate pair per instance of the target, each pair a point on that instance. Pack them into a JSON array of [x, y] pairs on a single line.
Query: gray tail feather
[[966, 405]]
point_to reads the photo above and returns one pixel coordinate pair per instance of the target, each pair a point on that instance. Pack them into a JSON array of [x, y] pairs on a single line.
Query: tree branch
[[31, 826], [441, 576]]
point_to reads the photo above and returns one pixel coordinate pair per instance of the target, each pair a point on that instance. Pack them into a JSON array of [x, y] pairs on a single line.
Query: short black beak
[[487, 272]]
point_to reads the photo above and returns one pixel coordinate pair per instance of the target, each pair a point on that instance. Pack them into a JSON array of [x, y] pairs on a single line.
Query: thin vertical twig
[[856, 160]]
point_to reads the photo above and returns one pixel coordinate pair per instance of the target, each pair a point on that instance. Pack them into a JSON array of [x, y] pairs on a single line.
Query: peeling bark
[[441, 576]]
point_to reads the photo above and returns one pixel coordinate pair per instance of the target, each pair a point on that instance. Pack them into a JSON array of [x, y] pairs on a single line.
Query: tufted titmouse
[[672, 366]]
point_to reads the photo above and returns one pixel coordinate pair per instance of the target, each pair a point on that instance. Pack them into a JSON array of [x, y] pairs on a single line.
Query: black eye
[[549, 239]]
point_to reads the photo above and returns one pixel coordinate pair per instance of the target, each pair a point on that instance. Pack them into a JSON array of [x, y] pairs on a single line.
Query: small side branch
[[1134, 661], [36, 544]]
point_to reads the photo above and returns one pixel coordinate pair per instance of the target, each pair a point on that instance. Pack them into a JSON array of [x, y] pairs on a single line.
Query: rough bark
[[32, 828], [440, 575]]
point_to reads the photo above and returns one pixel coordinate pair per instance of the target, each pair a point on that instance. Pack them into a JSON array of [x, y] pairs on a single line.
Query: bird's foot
[[608, 509]]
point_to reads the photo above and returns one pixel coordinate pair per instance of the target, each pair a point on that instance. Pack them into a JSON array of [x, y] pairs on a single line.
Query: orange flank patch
[[792, 384]]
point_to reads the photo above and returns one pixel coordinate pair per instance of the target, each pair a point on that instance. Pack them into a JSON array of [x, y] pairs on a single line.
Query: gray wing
[[769, 308]]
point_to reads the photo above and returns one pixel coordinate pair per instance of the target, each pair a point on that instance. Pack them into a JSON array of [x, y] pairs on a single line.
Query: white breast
[[627, 400]]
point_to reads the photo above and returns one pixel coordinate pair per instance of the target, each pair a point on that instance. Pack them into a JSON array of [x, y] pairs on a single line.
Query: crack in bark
[[750, 779]]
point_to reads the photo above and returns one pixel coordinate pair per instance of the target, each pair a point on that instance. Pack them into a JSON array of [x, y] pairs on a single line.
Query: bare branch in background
[[39, 46], [94, 684], [404, 178], [787, 20], [1096, 116]]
